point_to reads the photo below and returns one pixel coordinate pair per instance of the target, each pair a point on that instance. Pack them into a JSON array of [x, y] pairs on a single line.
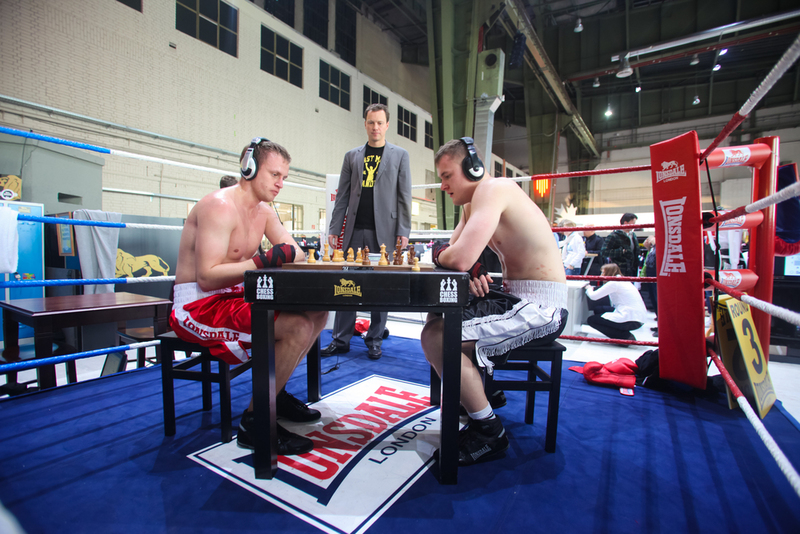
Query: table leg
[[451, 398], [314, 373], [265, 432], [43, 346]]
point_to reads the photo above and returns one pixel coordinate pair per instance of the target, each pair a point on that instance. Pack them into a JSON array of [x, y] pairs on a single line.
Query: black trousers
[[612, 329]]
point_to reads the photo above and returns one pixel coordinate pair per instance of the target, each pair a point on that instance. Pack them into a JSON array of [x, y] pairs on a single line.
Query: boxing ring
[[676, 173]]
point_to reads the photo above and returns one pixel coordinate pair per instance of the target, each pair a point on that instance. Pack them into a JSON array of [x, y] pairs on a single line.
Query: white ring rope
[[777, 71], [784, 194], [783, 463], [152, 226], [776, 311]]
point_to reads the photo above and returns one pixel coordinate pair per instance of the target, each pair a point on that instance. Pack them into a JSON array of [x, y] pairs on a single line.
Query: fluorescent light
[[717, 67], [723, 51], [608, 111]]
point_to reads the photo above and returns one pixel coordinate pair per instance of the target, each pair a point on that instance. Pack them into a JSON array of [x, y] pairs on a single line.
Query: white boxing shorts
[[526, 310]]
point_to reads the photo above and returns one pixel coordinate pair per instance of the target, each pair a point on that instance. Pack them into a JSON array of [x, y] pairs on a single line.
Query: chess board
[[355, 266]]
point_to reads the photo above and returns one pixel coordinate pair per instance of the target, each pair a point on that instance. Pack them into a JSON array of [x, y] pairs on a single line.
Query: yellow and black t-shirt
[[365, 218]]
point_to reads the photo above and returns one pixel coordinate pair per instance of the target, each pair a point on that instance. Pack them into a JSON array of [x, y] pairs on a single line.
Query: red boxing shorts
[[219, 320]]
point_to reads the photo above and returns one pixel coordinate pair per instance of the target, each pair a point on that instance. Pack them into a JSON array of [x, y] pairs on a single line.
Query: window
[[135, 4], [406, 123], [428, 135], [498, 169], [346, 31], [291, 215], [372, 97], [212, 21], [281, 57], [282, 9], [315, 21], [334, 85]]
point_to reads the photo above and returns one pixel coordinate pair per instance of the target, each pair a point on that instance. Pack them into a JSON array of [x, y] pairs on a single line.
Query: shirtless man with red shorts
[[220, 241]]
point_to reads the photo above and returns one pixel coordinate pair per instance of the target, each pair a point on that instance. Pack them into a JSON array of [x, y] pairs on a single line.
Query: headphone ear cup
[[249, 168], [472, 165]]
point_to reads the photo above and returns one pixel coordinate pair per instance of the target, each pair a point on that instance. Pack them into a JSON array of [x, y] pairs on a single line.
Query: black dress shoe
[[289, 407], [375, 353], [332, 349], [288, 442]]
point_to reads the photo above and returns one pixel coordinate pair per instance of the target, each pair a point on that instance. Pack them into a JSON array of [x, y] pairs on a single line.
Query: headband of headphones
[[249, 165], [472, 164]]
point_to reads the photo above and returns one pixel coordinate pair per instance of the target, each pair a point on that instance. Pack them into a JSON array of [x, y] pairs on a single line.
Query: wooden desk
[[49, 314], [355, 289]]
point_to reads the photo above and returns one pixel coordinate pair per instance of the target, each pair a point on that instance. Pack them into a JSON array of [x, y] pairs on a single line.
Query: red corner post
[[679, 255], [762, 239]]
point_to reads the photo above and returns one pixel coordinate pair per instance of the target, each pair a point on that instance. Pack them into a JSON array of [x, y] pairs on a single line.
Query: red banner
[[679, 253]]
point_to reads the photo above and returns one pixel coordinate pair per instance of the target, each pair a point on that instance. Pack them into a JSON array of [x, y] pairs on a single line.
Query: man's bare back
[[518, 231]]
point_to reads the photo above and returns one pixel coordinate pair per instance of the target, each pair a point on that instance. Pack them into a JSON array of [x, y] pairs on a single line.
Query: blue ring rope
[[38, 362], [56, 140], [75, 222]]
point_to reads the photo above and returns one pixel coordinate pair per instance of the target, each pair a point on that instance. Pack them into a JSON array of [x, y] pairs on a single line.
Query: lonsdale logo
[[671, 170], [346, 288]]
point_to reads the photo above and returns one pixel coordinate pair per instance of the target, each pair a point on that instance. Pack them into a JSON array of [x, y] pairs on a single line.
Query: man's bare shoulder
[[217, 204]]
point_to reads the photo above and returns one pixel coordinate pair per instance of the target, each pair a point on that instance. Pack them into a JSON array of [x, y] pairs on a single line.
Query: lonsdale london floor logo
[[346, 288], [376, 437]]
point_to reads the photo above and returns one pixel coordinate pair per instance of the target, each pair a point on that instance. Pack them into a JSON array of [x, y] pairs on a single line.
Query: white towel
[[9, 240]]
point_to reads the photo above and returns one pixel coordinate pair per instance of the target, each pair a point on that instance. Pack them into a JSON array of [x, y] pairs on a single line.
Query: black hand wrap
[[477, 270], [276, 256], [438, 249]]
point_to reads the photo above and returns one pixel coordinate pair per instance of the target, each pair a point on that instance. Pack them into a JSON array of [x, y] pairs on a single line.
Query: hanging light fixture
[[596, 82], [608, 111], [625, 69], [723, 51], [638, 89], [696, 100], [695, 60], [578, 26], [717, 67]]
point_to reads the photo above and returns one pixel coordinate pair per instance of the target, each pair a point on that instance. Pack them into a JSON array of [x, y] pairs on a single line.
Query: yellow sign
[[10, 187], [348, 288], [742, 354]]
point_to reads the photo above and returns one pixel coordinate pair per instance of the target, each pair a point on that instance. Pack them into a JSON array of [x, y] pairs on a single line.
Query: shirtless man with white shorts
[[220, 241], [531, 308]]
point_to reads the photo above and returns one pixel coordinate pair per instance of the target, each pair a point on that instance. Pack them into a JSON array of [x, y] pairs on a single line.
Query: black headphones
[[249, 166], [472, 164]]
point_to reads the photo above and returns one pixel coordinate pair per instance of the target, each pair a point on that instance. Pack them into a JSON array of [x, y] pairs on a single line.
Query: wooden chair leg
[[436, 388], [205, 367], [225, 401], [167, 388]]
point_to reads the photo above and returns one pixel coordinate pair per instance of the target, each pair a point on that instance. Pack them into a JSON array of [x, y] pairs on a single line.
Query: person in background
[[573, 251], [649, 270], [227, 181], [593, 242], [622, 247], [628, 311], [375, 193]]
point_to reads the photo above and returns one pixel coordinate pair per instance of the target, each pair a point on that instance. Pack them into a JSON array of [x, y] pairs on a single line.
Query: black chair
[[527, 358], [196, 355], [27, 352]]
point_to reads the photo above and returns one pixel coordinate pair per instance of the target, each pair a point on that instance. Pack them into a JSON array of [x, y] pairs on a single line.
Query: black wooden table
[[352, 289]]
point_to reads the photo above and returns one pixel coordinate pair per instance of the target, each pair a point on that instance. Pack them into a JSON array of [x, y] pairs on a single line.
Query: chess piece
[[326, 257], [410, 257], [359, 257], [415, 268], [365, 257], [351, 257], [384, 260], [311, 256], [338, 255], [398, 253], [412, 252]]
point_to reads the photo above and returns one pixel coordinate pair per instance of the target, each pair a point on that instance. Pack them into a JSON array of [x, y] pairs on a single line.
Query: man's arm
[[277, 234], [404, 199], [340, 206]]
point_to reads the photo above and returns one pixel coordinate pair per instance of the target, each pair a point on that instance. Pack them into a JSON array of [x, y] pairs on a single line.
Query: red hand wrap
[[276, 256], [438, 249], [477, 270]]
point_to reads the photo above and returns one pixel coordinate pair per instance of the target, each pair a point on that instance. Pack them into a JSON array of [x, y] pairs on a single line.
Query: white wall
[[104, 60]]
